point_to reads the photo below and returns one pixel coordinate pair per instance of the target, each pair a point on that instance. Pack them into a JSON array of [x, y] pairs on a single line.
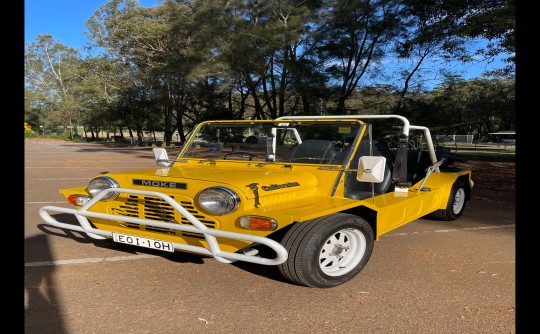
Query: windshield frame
[[274, 137]]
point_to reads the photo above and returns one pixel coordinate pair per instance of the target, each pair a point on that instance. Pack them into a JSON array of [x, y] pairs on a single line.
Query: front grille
[[155, 208]]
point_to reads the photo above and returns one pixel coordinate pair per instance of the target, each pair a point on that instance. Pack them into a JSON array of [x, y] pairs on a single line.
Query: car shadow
[[267, 271], [80, 237], [270, 272], [42, 305]]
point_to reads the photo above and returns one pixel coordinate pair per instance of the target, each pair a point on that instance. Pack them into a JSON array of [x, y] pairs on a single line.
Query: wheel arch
[[361, 211], [366, 213], [466, 181]]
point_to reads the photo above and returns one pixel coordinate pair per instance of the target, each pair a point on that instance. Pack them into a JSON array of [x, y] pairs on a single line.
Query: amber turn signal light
[[258, 223], [78, 200]]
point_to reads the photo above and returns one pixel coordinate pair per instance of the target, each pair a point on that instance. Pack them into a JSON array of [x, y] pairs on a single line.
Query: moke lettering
[[160, 184]]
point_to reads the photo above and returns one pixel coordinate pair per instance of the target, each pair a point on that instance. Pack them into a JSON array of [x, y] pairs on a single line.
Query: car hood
[[192, 179]]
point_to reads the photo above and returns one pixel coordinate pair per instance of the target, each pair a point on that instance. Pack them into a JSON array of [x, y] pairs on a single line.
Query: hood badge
[[253, 187], [280, 186]]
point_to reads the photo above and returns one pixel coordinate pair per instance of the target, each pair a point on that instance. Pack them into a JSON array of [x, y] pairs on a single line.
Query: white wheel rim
[[459, 201], [342, 252]]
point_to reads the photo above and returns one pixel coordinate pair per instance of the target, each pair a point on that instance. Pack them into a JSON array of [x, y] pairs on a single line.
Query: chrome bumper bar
[[209, 234]]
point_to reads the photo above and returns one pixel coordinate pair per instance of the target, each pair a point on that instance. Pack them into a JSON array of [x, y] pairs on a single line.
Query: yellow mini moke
[[309, 194]]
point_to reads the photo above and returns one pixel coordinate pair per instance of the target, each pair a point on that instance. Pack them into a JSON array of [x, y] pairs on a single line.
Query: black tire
[[455, 206], [312, 247]]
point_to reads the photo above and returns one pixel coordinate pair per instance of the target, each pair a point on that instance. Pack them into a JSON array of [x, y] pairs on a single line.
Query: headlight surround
[[218, 200], [101, 183]]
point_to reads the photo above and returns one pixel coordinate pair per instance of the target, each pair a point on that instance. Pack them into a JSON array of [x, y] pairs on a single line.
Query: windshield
[[321, 142]]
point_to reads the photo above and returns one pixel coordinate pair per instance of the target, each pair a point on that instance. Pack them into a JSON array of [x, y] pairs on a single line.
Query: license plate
[[143, 242]]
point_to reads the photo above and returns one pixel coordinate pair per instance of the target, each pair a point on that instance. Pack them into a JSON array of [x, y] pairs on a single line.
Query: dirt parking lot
[[425, 277]]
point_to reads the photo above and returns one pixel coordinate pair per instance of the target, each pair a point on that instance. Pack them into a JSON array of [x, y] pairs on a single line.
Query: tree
[[139, 41], [430, 33], [495, 21], [168, 67], [476, 107], [105, 79], [52, 73], [356, 35]]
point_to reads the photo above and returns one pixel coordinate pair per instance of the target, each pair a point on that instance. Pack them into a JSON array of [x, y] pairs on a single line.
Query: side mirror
[[161, 156], [371, 169]]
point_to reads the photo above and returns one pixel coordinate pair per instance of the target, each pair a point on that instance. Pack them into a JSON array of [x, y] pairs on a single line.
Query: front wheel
[[327, 251], [455, 205]]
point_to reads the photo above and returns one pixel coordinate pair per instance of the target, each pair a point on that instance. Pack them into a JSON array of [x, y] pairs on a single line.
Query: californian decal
[[160, 184], [280, 186]]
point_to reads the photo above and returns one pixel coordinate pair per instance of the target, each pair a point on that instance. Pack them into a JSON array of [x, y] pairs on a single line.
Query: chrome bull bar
[[198, 227]]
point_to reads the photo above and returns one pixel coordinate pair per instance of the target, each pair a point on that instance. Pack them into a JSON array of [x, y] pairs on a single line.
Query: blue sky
[[65, 21]]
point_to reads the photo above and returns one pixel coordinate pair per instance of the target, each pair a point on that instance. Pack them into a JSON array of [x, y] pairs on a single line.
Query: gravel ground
[[426, 277]]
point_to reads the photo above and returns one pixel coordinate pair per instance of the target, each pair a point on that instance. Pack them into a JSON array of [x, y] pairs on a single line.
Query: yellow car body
[[235, 200]]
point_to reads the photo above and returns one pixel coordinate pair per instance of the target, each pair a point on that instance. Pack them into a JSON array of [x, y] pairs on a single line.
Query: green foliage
[[475, 107], [167, 67], [51, 75], [63, 135]]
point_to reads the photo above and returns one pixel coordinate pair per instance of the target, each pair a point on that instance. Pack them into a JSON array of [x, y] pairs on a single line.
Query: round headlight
[[101, 183], [218, 200]]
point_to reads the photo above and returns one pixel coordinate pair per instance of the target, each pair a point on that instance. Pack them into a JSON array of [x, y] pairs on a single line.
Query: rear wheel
[[455, 205], [327, 251]]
